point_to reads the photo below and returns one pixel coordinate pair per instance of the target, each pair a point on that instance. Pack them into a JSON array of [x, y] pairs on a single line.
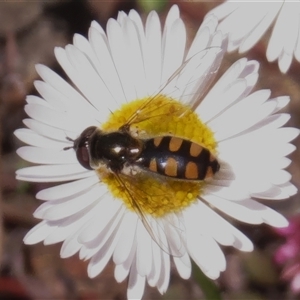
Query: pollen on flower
[[159, 116]]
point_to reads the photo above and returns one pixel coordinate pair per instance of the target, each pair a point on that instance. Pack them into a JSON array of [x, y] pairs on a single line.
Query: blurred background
[[29, 30]]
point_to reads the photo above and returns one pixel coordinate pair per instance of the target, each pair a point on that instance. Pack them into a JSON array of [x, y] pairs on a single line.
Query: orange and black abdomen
[[178, 158]]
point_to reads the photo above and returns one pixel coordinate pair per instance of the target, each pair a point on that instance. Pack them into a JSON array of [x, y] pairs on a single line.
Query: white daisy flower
[[245, 22], [143, 77]]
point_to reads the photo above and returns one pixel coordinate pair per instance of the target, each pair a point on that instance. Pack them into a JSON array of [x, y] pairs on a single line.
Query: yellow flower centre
[[151, 117]]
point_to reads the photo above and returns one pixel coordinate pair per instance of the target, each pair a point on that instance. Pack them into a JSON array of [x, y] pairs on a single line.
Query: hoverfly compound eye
[[81, 147]]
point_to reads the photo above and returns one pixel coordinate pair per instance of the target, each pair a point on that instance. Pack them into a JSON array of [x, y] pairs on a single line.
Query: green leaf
[[208, 287], [260, 267], [148, 5]]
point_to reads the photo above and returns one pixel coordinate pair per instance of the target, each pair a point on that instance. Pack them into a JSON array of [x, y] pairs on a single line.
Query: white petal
[[172, 226], [248, 211], [68, 189], [70, 246], [282, 45], [266, 154], [30, 137], [109, 85], [153, 55], [53, 173], [31, 99], [233, 193], [135, 58], [250, 40], [154, 275], [171, 18], [67, 207], [117, 223], [274, 218], [203, 248], [97, 26], [183, 266], [107, 210], [100, 260], [122, 16], [289, 188], [285, 61], [143, 251], [70, 225], [63, 120], [273, 193], [122, 270], [235, 83], [203, 36], [136, 284], [297, 47], [280, 177], [246, 113], [110, 76], [51, 95], [222, 231], [250, 17], [269, 123], [120, 273], [238, 210], [173, 48], [38, 233], [124, 246], [120, 58], [46, 156], [78, 68], [49, 131], [135, 17], [74, 98], [164, 276]]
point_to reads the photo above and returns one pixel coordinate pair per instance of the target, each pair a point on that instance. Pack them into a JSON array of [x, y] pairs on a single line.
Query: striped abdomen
[[178, 158]]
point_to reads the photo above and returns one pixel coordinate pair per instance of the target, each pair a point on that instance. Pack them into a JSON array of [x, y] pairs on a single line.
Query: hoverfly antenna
[[70, 147], [67, 148], [69, 139]]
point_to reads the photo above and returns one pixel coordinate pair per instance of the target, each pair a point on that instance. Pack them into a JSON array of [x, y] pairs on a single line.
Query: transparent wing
[[188, 84], [167, 231], [204, 67]]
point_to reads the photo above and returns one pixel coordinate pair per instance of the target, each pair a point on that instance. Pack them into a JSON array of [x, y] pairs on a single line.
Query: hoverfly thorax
[[114, 149]]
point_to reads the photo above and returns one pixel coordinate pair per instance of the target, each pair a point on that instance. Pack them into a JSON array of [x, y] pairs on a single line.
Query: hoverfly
[[166, 157]]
